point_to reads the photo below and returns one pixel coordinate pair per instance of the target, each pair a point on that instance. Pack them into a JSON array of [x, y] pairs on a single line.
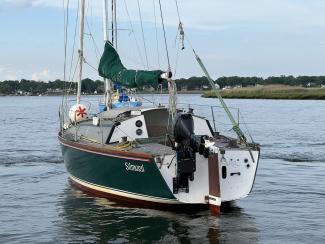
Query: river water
[[287, 204]]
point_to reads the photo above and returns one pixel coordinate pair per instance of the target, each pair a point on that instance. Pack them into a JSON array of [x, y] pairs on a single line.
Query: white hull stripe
[[105, 154], [123, 193]]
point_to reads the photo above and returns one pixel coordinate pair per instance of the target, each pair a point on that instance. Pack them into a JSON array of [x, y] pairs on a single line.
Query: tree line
[[31, 87], [89, 86]]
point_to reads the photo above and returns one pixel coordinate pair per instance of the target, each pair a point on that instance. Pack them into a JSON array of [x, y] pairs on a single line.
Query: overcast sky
[[233, 37]]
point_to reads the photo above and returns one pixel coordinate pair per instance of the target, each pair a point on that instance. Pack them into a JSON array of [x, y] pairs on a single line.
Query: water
[[287, 205]]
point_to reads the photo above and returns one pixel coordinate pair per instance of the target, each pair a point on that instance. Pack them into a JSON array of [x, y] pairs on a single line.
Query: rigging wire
[[157, 42], [163, 25], [91, 66], [171, 84], [248, 132], [180, 26], [216, 88], [177, 58], [132, 31], [94, 42], [143, 38], [66, 22], [179, 16], [75, 71], [90, 27], [72, 75], [72, 78], [181, 35], [133, 61], [74, 42]]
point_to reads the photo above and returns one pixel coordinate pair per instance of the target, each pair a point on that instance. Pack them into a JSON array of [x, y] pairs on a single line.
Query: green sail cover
[[111, 67]]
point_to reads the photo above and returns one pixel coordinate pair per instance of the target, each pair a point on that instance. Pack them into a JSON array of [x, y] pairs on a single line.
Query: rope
[[144, 41], [163, 25], [123, 146], [132, 31], [157, 42]]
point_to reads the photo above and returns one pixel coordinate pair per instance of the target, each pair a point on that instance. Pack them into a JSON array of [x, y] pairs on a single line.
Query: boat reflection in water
[[97, 220]]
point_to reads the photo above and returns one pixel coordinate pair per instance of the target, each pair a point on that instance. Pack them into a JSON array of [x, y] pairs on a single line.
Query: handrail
[[215, 110]]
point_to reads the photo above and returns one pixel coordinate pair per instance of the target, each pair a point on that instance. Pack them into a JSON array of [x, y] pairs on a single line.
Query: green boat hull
[[114, 174]]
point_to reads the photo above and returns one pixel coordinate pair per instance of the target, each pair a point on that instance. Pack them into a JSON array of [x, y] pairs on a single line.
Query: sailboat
[[156, 156]]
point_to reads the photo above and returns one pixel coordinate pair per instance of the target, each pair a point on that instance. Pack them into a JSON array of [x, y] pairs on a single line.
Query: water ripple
[[38, 205]]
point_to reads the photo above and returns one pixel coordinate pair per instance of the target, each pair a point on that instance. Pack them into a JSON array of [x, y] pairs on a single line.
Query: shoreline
[[141, 93], [272, 92]]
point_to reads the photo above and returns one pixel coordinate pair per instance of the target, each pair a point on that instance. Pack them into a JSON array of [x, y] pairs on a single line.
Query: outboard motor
[[186, 148]]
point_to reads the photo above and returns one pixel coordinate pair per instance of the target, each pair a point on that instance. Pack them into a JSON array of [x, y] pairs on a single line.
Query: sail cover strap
[[111, 67]]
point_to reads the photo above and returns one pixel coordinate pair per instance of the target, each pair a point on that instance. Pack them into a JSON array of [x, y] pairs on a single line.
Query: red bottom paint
[[215, 210]]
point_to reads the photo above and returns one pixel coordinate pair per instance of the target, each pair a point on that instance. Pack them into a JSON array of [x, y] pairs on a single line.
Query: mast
[[115, 24], [105, 20], [108, 83], [81, 47], [112, 23]]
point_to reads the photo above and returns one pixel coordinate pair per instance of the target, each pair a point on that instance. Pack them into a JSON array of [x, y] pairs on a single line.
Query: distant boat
[[121, 99], [152, 155]]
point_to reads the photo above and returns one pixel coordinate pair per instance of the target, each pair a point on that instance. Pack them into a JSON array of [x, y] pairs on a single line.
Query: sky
[[232, 37]]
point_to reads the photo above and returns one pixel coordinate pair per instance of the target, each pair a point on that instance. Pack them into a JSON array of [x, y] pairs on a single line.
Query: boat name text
[[136, 168]]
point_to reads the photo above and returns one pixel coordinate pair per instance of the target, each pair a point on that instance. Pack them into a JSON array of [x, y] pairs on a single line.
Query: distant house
[[311, 84], [226, 87]]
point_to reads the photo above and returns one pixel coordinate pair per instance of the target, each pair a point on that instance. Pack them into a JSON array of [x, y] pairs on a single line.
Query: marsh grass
[[273, 92]]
